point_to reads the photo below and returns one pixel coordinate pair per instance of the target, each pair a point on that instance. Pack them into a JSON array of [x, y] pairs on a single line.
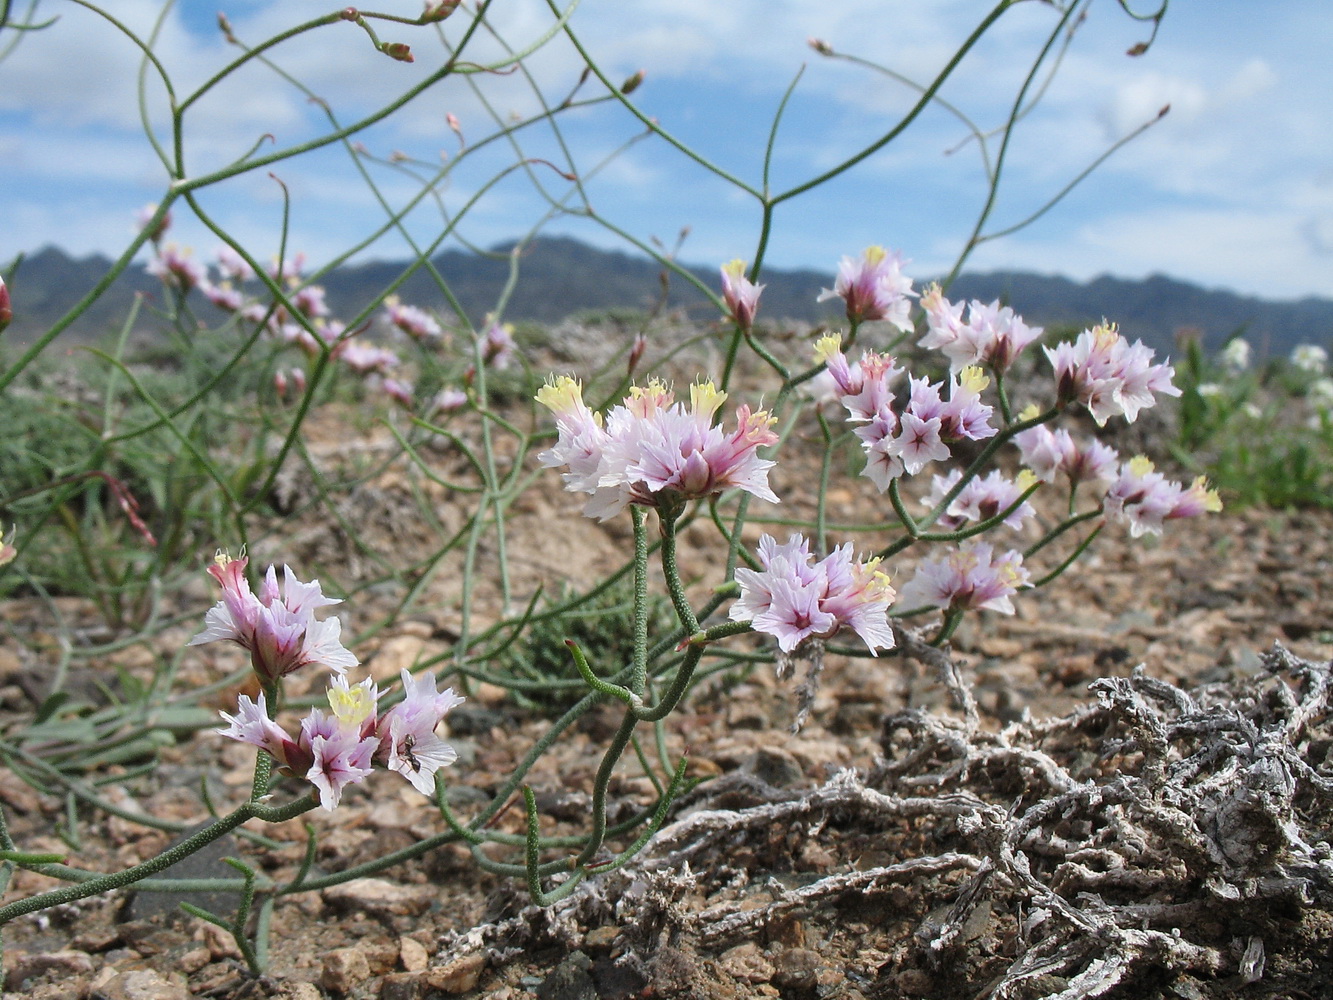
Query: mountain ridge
[[562, 277]]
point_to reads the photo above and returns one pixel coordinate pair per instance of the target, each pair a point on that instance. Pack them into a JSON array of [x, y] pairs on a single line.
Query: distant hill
[[560, 277]]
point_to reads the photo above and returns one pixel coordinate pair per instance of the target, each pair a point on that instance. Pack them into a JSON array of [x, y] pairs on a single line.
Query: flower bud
[[820, 46], [439, 10], [6, 307], [632, 84], [636, 354], [398, 50]]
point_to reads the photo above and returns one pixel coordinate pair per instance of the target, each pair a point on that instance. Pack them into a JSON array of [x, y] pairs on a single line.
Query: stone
[[601, 938], [797, 969], [458, 976], [194, 960], [62, 964], [412, 955], [344, 970], [401, 986], [378, 897], [142, 984], [300, 991], [747, 963]]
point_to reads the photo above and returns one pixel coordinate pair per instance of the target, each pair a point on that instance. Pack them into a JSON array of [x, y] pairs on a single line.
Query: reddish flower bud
[[439, 11], [399, 51], [636, 354], [6, 307]]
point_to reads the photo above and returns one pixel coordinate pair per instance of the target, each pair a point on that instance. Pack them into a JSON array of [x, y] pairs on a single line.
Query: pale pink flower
[[900, 438], [7, 550], [251, 724], [176, 268], [981, 498], [1144, 498], [740, 294], [653, 451], [416, 323], [366, 357], [278, 626], [310, 300], [1108, 375], [448, 401], [918, 442], [874, 288], [497, 345], [340, 747], [232, 265], [794, 597], [400, 392], [341, 758], [407, 742], [1047, 452], [144, 218], [223, 295], [968, 577], [992, 335], [288, 270]]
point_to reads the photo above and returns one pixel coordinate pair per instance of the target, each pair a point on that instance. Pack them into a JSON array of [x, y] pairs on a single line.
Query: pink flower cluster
[[1133, 492], [338, 748], [874, 288], [981, 498], [904, 437], [278, 625], [1047, 452], [992, 334], [1143, 498], [1108, 375], [176, 268], [793, 598], [413, 321], [968, 577], [653, 451]]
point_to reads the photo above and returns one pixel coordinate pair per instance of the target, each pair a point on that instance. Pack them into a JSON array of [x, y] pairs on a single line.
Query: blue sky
[[1232, 189]]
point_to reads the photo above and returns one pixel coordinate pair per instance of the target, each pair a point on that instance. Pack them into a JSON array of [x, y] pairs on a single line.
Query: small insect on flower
[[405, 747]]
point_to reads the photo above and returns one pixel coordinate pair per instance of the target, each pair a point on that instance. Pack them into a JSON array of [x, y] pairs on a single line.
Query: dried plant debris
[[1156, 843]]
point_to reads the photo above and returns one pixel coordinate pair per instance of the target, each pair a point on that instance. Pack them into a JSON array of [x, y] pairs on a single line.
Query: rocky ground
[[1047, 812]]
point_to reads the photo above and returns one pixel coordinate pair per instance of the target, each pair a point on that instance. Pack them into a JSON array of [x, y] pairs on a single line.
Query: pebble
[[379, 897], [412, 954], [457, 976], [746, 962], [142, 984], [601, 938], [62, 963], [797, 969], [344, 969]]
